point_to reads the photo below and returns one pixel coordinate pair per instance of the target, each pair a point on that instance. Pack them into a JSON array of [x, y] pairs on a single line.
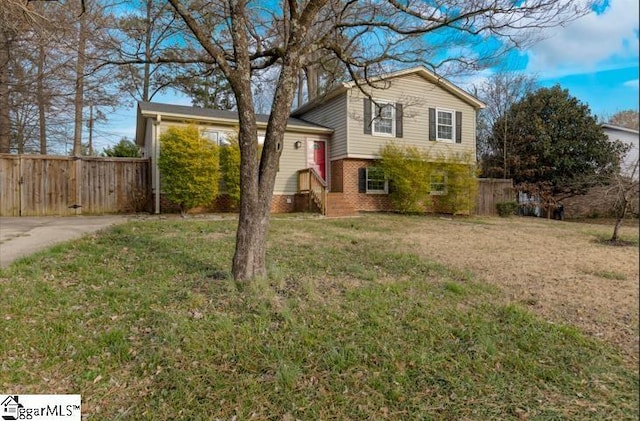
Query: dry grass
[[559, 270]]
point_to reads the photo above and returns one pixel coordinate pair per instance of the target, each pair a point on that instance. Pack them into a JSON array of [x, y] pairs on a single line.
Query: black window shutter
[[458, 127], [362, 180], [432, 124], [367, 116], [398, 120]]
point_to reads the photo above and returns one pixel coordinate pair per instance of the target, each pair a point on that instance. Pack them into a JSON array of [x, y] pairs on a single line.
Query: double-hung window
[[384, 117], [376, 181], [445, 125], [438, 184]]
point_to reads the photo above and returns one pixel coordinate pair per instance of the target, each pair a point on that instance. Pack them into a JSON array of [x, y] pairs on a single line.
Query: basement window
[[438, 184], [376, 181]]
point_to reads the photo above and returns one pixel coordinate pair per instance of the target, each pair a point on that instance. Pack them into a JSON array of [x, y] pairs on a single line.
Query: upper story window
[[445, 125], [384, 116]]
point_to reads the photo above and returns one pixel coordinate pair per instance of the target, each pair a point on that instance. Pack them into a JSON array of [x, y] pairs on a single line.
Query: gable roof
[[419, 70], [618, 128], [222, 117]]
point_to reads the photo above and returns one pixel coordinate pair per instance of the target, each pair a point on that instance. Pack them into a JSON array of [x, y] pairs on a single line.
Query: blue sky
[[595, 58]]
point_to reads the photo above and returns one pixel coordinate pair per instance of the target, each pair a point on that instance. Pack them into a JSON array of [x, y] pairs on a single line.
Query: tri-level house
[[332, 143]]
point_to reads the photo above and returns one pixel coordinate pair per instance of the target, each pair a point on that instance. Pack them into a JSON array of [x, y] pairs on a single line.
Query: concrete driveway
[[21, 236]]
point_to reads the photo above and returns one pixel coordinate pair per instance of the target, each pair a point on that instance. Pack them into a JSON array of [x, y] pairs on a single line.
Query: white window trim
[[374, 115], [206, 133], [378, 191], [438, 192], [453, 125], [221, 136]]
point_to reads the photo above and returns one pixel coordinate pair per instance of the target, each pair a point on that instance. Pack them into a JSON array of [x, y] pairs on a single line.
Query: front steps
[[337, 205]]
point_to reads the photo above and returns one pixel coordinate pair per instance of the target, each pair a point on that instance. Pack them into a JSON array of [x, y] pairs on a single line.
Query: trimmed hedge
[[507, 208]]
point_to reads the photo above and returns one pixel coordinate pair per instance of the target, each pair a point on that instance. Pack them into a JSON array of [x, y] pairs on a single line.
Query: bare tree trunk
[[42, 119], [257, 182], [627, 190], [91, 130], [619, 220], [311, 72], [300, 89], [79, 94], [248, 260], [249, 256], [257, 192], [147, 54], [4, 90]]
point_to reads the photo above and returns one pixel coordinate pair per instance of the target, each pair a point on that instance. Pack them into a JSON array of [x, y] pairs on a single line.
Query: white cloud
[[594, 42], [631, 83], [468, 82]]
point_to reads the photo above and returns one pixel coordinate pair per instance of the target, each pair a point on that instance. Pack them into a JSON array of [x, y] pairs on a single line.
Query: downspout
[[156, 169]]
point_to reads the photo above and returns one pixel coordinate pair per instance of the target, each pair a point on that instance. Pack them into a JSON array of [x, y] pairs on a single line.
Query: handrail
[[309, 181], [317, 177]]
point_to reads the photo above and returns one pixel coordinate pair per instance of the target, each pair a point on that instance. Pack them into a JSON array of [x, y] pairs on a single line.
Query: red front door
[[319, 158]]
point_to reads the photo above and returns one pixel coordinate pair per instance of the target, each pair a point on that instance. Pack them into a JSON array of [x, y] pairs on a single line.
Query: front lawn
[[144, 322]]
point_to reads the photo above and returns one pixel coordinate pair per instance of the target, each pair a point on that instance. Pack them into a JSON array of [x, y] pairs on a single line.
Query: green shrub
[[507, 208], [125, 148], [410, 171], [406, 168], [189, 167], [230, 168]]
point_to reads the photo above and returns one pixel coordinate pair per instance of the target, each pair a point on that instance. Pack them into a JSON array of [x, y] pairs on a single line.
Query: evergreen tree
[[556, 145], [124, 149]]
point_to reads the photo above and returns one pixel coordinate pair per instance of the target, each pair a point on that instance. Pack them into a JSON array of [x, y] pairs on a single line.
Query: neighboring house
[[600, 201], [628, 137], [332, 143]]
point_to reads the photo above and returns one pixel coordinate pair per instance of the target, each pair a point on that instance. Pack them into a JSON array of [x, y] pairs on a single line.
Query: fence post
[[78, 171], [20, 186]]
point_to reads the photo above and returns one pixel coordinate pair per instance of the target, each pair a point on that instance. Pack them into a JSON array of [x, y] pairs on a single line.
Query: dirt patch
[[554, 268]]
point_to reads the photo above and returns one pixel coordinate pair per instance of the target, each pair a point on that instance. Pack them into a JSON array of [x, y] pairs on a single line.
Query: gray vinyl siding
[[332, 114], [291, 160], [147, 152], [416, 95]]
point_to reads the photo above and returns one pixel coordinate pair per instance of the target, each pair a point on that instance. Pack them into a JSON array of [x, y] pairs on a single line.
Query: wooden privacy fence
[[40, 185], [492, 191]]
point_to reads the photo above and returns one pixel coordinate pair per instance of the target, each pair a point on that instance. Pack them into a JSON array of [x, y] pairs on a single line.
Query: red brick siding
[[336, 176], [283, 203], [598, 202], [360, 201], [222, 203], [348, 169]]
